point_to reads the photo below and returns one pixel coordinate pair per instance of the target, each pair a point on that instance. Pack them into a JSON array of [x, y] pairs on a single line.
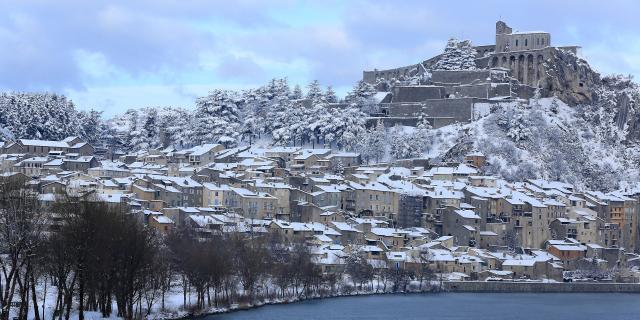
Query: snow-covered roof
[[162, 219], [44, 143], [467, 214]]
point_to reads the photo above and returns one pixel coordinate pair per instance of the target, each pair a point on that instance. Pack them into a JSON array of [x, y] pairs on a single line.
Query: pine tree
[[458, 55], [39, 116], [403, 145], [330, 95], [362, 97], [217, 118], [314, 92], [175, 127], [349, 127], [91, 125], [297, 93], [374, 143]]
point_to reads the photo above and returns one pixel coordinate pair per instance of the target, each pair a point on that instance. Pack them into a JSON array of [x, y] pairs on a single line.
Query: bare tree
[[21, 229]]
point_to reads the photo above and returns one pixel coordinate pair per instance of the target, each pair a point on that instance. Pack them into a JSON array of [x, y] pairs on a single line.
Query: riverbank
[[294, 300], [447, 287], [540, 287]]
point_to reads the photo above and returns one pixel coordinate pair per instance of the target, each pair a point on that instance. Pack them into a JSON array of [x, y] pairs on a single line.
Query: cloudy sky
[[113, 55]]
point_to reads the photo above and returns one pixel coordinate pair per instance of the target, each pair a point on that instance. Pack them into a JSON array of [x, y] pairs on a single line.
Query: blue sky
[[114, 55]]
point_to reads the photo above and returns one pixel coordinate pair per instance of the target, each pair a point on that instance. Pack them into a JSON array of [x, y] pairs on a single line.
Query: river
[[477, 306]]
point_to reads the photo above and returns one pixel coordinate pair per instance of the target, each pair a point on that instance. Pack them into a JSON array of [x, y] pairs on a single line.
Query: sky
[[115, 55]]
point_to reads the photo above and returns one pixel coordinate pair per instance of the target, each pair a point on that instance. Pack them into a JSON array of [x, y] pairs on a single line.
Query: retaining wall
[[507, 286]]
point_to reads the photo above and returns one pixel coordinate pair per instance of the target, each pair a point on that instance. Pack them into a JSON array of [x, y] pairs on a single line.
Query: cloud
[[116, 54], [239, 68]]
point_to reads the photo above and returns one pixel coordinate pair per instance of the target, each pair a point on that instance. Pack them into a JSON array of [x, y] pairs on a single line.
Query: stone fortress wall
[[511, 69]]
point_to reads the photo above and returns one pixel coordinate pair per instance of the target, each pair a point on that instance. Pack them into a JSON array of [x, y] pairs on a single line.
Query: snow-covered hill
[[546, 138]]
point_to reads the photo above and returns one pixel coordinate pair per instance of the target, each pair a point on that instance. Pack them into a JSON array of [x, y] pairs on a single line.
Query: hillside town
[[405, 214]]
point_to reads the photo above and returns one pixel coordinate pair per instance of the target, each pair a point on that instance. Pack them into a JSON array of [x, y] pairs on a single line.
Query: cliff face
[[569, 78], [617, 98], [610, 102]]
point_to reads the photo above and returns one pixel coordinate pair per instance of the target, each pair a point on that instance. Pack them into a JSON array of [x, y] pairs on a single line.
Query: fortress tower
[[507, 40]]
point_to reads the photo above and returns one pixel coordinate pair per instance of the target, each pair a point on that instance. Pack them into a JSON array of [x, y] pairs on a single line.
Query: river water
[[476, 306]]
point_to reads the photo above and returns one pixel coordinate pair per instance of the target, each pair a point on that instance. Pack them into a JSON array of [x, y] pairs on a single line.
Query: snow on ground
[[543, 139]]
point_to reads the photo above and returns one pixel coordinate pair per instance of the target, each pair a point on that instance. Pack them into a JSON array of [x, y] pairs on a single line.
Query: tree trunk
[[36, 312]]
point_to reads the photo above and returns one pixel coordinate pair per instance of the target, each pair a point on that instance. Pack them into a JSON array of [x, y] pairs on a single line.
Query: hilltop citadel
[[514, 68]]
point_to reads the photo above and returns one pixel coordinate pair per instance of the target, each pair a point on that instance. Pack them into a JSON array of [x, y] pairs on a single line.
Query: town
[[472, 226]]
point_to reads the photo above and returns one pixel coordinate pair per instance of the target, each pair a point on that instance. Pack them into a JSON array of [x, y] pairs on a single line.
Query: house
[[81, 163], [213, 194], [569, 251], [311, 159], [43, 147], [524, 268], [476, 159], [392, 238], [373, 199], [286, 154], [33, 166], [249, 204], [161, 223], [350, 234], [204, 225], [204, 154], [462, 224], [342, 160], [279, 190]]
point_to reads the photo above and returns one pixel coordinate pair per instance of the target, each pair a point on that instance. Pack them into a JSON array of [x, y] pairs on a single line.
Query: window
[[526, 42], [516, 42]]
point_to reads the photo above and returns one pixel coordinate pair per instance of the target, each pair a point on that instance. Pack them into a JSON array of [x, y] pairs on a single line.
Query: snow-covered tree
[[217, 118], [374, 143], [402, 145], [362, 97], [297, 93], [348, 127], [330, 95], [458, 55], [314, 92], [44, 116], [175, 127], [92, 125]]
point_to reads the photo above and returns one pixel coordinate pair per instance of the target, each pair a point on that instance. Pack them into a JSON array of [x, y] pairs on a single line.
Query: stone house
[[462, 225], [374, 199], [203, 154], [350, 234], [249, 204], [161, 223]]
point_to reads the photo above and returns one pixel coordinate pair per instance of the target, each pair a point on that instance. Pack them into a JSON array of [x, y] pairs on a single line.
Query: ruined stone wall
[[484, 50], [436, 122], [417, 93], [499, 90], [388, 74], [460, 76], [471, 91], [407, 71], [459, 109]]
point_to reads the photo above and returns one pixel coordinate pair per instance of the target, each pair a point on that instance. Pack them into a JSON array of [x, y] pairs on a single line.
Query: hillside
[[546, 138], [578, 127]]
